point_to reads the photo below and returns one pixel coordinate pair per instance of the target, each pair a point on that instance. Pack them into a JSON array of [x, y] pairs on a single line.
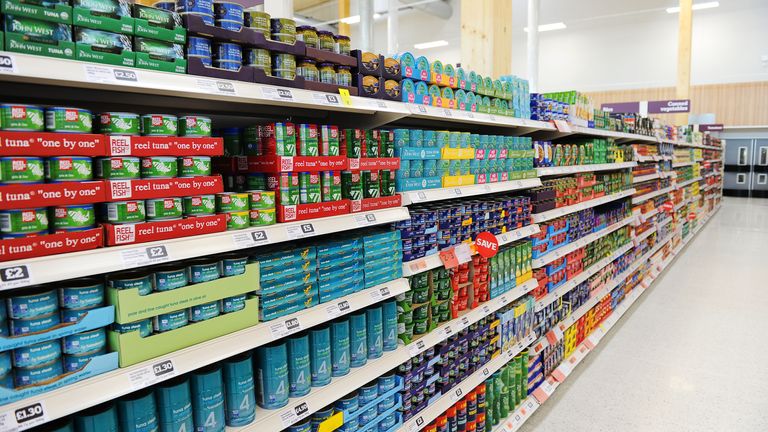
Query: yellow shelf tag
[[345, 98], [335, 421]]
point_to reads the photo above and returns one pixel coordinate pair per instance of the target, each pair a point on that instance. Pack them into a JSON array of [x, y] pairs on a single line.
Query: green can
[[387, 178], [371, 187], [119, 123], [351, 186], [194, 126], [23, 221], [19, 169], [163, 208], [258, 21], [159, 125], [353, 142], [73, 217], [17, 117], [199, 205], [259, 58], [237, 220], [118, 168], [193, 166], [159, 167], [309, 188], [71, 168], [262, 217], [227, 202], [69, 120], [261, 200], [283, 30], [123, 211], [288, 184]]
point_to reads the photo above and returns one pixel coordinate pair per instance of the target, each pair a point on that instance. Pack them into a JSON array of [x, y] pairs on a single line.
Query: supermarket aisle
[[690, 355]]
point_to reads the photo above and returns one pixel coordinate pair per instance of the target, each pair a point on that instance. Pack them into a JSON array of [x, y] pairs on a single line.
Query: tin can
[[240, 390], [124, 211], [19, 169], [170, 321], [195, 6], [331, 186], [118, 168], [351, 185], [199, 205], [5, 365], [171, 277], [25, 118], [375, 332], [329, 140], [73, 217], [119, 123], [349, 403], [205, 311], [40, 323], [23, 221], [302, 426], [204, 270], [68, 120], [307, 140], [299, 369], [228, 11], [358, 340], [233, 304], [194, 126], [284, 65], [174, 405], [370, 184], [259, 58], [231, 201], [259, 21], [309, 188], [159, 167], [259, 199], [159, 125], [340, 347], [30, 376], [320, 355], [368, 393], [207, 390], [84, 342], [237, 220], [352, 142], [36, 355], [320, 416], [227, 65], [75, 362], [163, 208], [262, 217], [289, 188], [81, 294], [39, 302], [272, 375], [132, 279], [229, 24], [228, 52], [199, 47], [144, 327], [283, 30], [193, 166], [73, 315]]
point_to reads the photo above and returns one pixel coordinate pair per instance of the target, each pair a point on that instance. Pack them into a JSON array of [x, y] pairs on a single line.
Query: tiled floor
[[692, 353]]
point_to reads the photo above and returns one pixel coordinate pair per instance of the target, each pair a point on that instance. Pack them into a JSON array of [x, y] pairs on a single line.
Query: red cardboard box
[[48, 144], [118, 190], [165, 146], [18, 196], [312, 211], [164, 230], [370, 164], [51, 244], [368, 204], [274, 164]]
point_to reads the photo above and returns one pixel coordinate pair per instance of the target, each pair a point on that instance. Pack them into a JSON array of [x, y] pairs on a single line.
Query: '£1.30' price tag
[[23, 418], [149, 375]]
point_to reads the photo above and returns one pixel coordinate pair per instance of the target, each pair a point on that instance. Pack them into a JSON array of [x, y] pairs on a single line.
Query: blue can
[[387, 403], [40, 302], [349, 403], [233, 265], [367, 416], [5, 363], [299, 369], [228, 11], [170, 321], [320, 355], [240, 396], [84, 342], [30, 376], [229, 25], [196, 6], [233, 304], [388, 422], [368, 393], [137, 412], [229, 52], [134, 279], [374, 318], [102, 418], [204, 270], [389, 314], [199, 47], [21, 327], [340, 347], [205, 311], [207, 61], [386, 382], [208, 399], [144, 327], [351, 425], [3, 311], [171, 277], [174, 405], [358, 340], [227, 65], [272, 375], [6, 381], [35, 355], [75, 362], [74, 315], [302, 426], [166, 5], [321, 416], [81, 294]]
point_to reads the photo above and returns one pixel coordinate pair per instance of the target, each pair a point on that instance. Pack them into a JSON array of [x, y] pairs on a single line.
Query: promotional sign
[[487, 245]]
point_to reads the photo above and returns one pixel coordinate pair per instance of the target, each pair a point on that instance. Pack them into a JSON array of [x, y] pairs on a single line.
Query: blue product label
[[375, 333], [320, 361], [208, 412], [170, 280], [272, 377], [79, 298], [358, 341], [340, 350], [299, 369], [34, 355], [241, 399], [33, 305]]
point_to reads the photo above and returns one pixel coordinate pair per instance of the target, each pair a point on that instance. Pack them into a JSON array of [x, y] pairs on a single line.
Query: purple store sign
[[669, 106], [621, 107], [710, 127]]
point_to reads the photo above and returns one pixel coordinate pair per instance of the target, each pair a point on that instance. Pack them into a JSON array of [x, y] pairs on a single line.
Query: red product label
[[119, 190], [52, 244], [368, 204], [164, 230], [157, 121], [18, 196], [18, 112], [70, 115], [28, 216], [51, 144], [65, 164], [312, 211], [19, 165]]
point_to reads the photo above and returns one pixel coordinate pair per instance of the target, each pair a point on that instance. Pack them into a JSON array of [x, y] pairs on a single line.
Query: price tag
[[418, 266], [144, 256], [216, 87], [15, 276], [284, 328], [416, 424], [345, 98], [504, 299], [463, 323], [448, 331], [364, 220], [294, 415], [110, 75], [487, 188], [457, 394], [326, 99], [338, 309], [486, 373], [469, 114], [149, 375], [23, 418], [421, 196], [416, 348], [277, 94], [295, 232], [380, 294], [7, 64], [486, 310], [491, 117], [463, 253], [449, 258], [447, 112], [250, 239], [563, 126], [457, 192]]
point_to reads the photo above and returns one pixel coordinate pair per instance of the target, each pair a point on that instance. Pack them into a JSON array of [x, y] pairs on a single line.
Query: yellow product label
[[452, 181]]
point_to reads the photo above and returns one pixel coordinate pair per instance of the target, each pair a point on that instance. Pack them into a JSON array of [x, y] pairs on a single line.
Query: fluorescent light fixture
[[354, 19], [378, 16], [697, 6], [550, 27], [433, 44]]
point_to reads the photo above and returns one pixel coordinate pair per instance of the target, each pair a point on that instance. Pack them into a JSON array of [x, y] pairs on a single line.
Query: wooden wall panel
[[737, 104]]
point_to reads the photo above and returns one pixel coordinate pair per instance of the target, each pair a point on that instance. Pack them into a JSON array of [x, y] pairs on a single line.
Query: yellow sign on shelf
[[346, 99]]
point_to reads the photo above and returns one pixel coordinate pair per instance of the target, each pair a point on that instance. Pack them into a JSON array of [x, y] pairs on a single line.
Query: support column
[[486, 37], [279, 8], [393, 27], [533, 45], [366, 25], [502, 38], [683, 88], [343, 13]]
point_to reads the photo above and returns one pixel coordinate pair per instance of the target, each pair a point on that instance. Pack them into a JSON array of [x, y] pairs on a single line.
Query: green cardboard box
[[85, 52], [19, 43], [145, 61], [158, 24], [84, 16], [130, 306], [60, 13]]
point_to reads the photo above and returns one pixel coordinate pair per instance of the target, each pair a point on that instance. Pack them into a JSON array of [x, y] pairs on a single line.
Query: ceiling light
[[428, 45], [354, 19], [697, 6], [550, 27], [377, 16]]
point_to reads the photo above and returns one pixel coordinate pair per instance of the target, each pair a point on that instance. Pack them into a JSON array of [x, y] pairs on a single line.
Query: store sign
[[669, 106], [487, 245], [711, 127], [621, 107]]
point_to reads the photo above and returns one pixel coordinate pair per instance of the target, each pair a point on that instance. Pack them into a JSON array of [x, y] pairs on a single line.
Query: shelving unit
[[580, 243], [430, 195], [555, 171], [650, 195], [562, 211]]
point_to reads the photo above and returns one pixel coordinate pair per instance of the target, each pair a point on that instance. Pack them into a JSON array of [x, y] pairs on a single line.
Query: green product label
[[261, 200], [23, 221], [21, 118], [159, 125], [199, 205], [192, 166], [125, 211], [262, 217], [118, 168], [231, 202], [69, 169], [163, 208], [74, 216], [154, 15], [238, 220], [68, 120], [119, 124], [194, 126], [21, 169], [351, 186], [159, 167]]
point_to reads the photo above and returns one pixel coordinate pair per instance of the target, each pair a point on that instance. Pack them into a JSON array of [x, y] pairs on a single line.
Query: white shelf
[[580, 243], [682, 164], [642, 217], [647, 233], [612, 134], [687, 182], [111, 385], [433, 261], [713, 161], [652, 158], [682, 204], [650, 195], [429, 195], [562, 211], [426, 112], [109, 259], [553, 171], [640, 179]]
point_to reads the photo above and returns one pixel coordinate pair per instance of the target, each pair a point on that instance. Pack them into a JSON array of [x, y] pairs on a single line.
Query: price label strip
[[336, 310], [296, 232], [15, 277], [295, 414], [284, 328], [149, 375], [144, 256], [23, 418], [364, 220], [250, 239]]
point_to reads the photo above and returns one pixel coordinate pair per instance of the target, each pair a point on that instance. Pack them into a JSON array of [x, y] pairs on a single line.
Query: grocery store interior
[[383, 215]]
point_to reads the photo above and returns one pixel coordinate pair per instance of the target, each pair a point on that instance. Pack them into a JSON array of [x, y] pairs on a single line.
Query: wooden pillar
[[683, 88], [486, 36], [343, 13]]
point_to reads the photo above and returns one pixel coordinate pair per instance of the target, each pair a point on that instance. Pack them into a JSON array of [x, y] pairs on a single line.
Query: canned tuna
[[25, 326], [199, 205], [197, 6], [231, 201], [259, 58], [205, 311], [199, 47], [167, 51], [227, 65], [118, 168], [170, 321], [37, 354], [351, 185], [81, 294], [30, 376], [233, 265], [144, 327], [69, 120], [171, 277], [262, 217], [228, 11], [17, 117], [84, 342], [23, 221], [134, 279], [159, 167], [238, 220], [194, 126], [39, 303], [70, 168], [230, 52], [259, 21], [163, 208], [204, 270], [19, 169], [159, 125], [74, 217], [260, 199], [103, 40], [233, 304], [309, 188], [193, 166], [75, 362], [283, 30], [124, 211]]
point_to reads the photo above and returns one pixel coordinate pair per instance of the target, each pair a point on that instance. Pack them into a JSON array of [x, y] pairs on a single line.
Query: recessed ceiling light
[[428, 45], [550, 27], [354, 19], [697, 6]]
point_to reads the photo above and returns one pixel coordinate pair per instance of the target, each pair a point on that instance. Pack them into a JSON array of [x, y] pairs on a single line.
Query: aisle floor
[[690, 355]]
